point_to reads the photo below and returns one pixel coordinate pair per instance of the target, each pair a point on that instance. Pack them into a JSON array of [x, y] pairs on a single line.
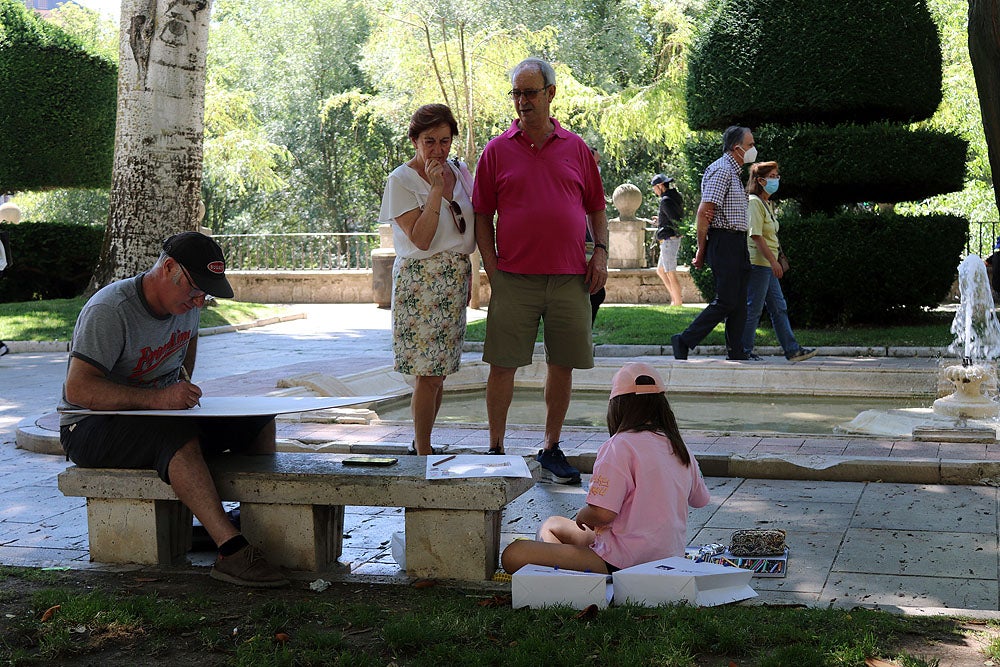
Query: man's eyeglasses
[[195, 293], [528, 94], [456, 215]]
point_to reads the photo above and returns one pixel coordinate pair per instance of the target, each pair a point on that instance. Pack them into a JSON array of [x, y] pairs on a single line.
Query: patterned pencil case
[[757, 542]]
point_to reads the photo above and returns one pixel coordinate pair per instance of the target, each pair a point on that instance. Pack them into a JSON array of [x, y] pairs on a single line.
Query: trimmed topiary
[[907, 264], [57, 119], [760, 61], [52, 260]]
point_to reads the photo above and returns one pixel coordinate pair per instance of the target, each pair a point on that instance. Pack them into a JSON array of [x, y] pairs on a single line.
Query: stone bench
[[292, 507]]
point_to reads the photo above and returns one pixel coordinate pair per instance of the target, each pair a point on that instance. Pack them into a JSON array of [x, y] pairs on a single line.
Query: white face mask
[[750, 155]]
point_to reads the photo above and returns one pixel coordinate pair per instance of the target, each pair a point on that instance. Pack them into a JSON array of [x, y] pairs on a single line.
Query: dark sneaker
[[3, 348], [802, 354], [555, 466], [753, 356], [247, 567], [680, 349], [412, 451], [496, 451]]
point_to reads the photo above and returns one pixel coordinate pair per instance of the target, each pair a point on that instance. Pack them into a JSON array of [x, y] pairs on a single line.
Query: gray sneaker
[[802, 354], [247, 567]]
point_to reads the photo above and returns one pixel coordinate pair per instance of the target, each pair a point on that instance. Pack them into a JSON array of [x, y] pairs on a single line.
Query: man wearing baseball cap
[[134, 348]]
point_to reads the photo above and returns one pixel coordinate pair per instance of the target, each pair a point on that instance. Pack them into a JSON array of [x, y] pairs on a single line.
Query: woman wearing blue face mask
[[764, 288]]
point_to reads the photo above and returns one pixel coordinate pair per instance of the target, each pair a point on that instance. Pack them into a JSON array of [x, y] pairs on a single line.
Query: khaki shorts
[[519, 301]]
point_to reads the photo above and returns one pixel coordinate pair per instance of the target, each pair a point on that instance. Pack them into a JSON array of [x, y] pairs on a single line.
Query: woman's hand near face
[[435, 172]]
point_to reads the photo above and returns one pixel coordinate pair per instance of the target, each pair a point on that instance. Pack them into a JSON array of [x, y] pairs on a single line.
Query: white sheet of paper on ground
[[476, 465], [678, 579], [538, 586], [245, 406]]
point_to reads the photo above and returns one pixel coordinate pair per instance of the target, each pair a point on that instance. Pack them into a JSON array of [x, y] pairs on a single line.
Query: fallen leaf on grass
[[423, 583], [588, 614], [878, 662], [733, 663], [281, 637], [50, 612], [495, 601]]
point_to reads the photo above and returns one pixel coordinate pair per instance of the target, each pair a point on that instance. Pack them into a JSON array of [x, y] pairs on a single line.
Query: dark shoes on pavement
[[247, 567], [3, 348], [555, 466], [802, 354], [680, 349]]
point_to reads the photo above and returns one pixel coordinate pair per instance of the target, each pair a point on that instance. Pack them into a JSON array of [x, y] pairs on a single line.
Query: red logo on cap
[[217, 267]]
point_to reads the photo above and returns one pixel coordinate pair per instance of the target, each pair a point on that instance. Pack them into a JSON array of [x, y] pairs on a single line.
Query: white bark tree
[[156, 180]]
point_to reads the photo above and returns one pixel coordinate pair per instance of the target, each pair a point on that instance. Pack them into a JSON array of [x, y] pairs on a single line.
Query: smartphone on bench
[[366, 460]]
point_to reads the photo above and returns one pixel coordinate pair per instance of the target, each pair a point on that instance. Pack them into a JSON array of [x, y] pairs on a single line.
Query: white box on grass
[[541, 586], [678, 579]]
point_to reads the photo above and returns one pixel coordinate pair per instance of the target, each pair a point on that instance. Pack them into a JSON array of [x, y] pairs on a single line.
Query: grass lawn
[[54, 319], [178, 618], [653, 325]]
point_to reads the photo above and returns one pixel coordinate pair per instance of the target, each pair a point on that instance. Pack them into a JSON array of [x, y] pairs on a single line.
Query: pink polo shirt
[[637, 475], [541, 200]]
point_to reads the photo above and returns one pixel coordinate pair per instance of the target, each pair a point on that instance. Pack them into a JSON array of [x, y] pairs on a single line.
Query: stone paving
[[919, 547]]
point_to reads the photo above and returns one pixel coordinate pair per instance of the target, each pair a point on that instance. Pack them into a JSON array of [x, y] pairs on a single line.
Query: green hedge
[[57, 118], [860, 269], [811, 61], [51, 260], [851, 268], [845, 164]]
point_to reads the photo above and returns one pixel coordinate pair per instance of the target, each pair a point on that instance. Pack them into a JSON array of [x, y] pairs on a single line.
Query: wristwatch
[[601, 246]]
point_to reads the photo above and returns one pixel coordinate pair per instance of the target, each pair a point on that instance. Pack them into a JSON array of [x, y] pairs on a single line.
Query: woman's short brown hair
[[430, 116], [759, 170]]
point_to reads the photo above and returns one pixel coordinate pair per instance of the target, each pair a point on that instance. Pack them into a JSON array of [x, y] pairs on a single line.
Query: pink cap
[[624, 380]]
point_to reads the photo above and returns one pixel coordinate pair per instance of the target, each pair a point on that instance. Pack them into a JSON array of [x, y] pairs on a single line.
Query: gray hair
[[542, 67], [733, 136]]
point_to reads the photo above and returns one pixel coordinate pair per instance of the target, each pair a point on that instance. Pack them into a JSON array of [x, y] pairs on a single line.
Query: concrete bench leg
[[298, 537], [150, 532], [452, 544]]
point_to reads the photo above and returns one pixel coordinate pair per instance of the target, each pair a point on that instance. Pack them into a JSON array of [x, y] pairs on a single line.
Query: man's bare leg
[[558, 389], [499, 393], [193, 484]]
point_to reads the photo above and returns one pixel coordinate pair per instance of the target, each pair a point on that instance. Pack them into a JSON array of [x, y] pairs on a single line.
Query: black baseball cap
[[660, 178], [203, 259]]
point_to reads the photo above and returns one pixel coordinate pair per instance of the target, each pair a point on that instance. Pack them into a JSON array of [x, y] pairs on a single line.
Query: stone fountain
[[970, 413]]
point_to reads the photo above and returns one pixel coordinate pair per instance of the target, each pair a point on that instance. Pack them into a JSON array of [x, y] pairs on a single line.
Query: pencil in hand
[[187, 378]]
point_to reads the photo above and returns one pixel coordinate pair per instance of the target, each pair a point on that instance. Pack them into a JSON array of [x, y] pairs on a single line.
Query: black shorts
[[123, 441]]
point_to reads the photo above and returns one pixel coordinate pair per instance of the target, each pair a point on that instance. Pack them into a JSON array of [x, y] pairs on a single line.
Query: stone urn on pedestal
[[968, 401], [626, 233]]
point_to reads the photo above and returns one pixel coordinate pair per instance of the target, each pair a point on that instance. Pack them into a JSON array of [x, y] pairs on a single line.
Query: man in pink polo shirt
[[543, 188]]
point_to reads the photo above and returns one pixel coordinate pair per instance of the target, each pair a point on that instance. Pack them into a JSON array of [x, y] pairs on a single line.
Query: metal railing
[[298, 252], [982, 236]]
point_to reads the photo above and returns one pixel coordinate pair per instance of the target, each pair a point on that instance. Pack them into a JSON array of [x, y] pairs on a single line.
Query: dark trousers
[[726, 252]]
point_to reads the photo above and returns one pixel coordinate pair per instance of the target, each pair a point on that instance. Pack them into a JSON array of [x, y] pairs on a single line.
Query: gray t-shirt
[[118, 333]]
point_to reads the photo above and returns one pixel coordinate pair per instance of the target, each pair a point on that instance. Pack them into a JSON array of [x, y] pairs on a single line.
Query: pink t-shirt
[[541, 200], [637, 475]]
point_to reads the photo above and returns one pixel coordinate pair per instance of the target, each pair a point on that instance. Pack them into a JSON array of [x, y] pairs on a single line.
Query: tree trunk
[[984, 51], [156, 181]]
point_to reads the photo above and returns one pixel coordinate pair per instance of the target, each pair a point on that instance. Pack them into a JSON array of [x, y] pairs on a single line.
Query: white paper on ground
[[538, 586], [678, 579], [476, 465], [245, 406], [397, 546]]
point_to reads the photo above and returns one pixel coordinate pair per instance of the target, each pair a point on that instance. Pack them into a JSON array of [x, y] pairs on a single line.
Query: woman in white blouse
[[428, 201]]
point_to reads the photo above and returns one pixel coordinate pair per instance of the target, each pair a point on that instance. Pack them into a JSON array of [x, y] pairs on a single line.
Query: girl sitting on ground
[[644, 480]]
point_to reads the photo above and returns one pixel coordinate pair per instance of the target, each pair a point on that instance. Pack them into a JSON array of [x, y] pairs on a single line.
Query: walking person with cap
[[134, 348], [668, 234], [722, 244]]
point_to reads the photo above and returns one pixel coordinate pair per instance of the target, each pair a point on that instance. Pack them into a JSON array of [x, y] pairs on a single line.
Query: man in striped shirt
[[722, 242]]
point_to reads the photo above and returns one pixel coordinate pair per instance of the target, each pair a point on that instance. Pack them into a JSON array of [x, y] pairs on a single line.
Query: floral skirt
[[429, 297]]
